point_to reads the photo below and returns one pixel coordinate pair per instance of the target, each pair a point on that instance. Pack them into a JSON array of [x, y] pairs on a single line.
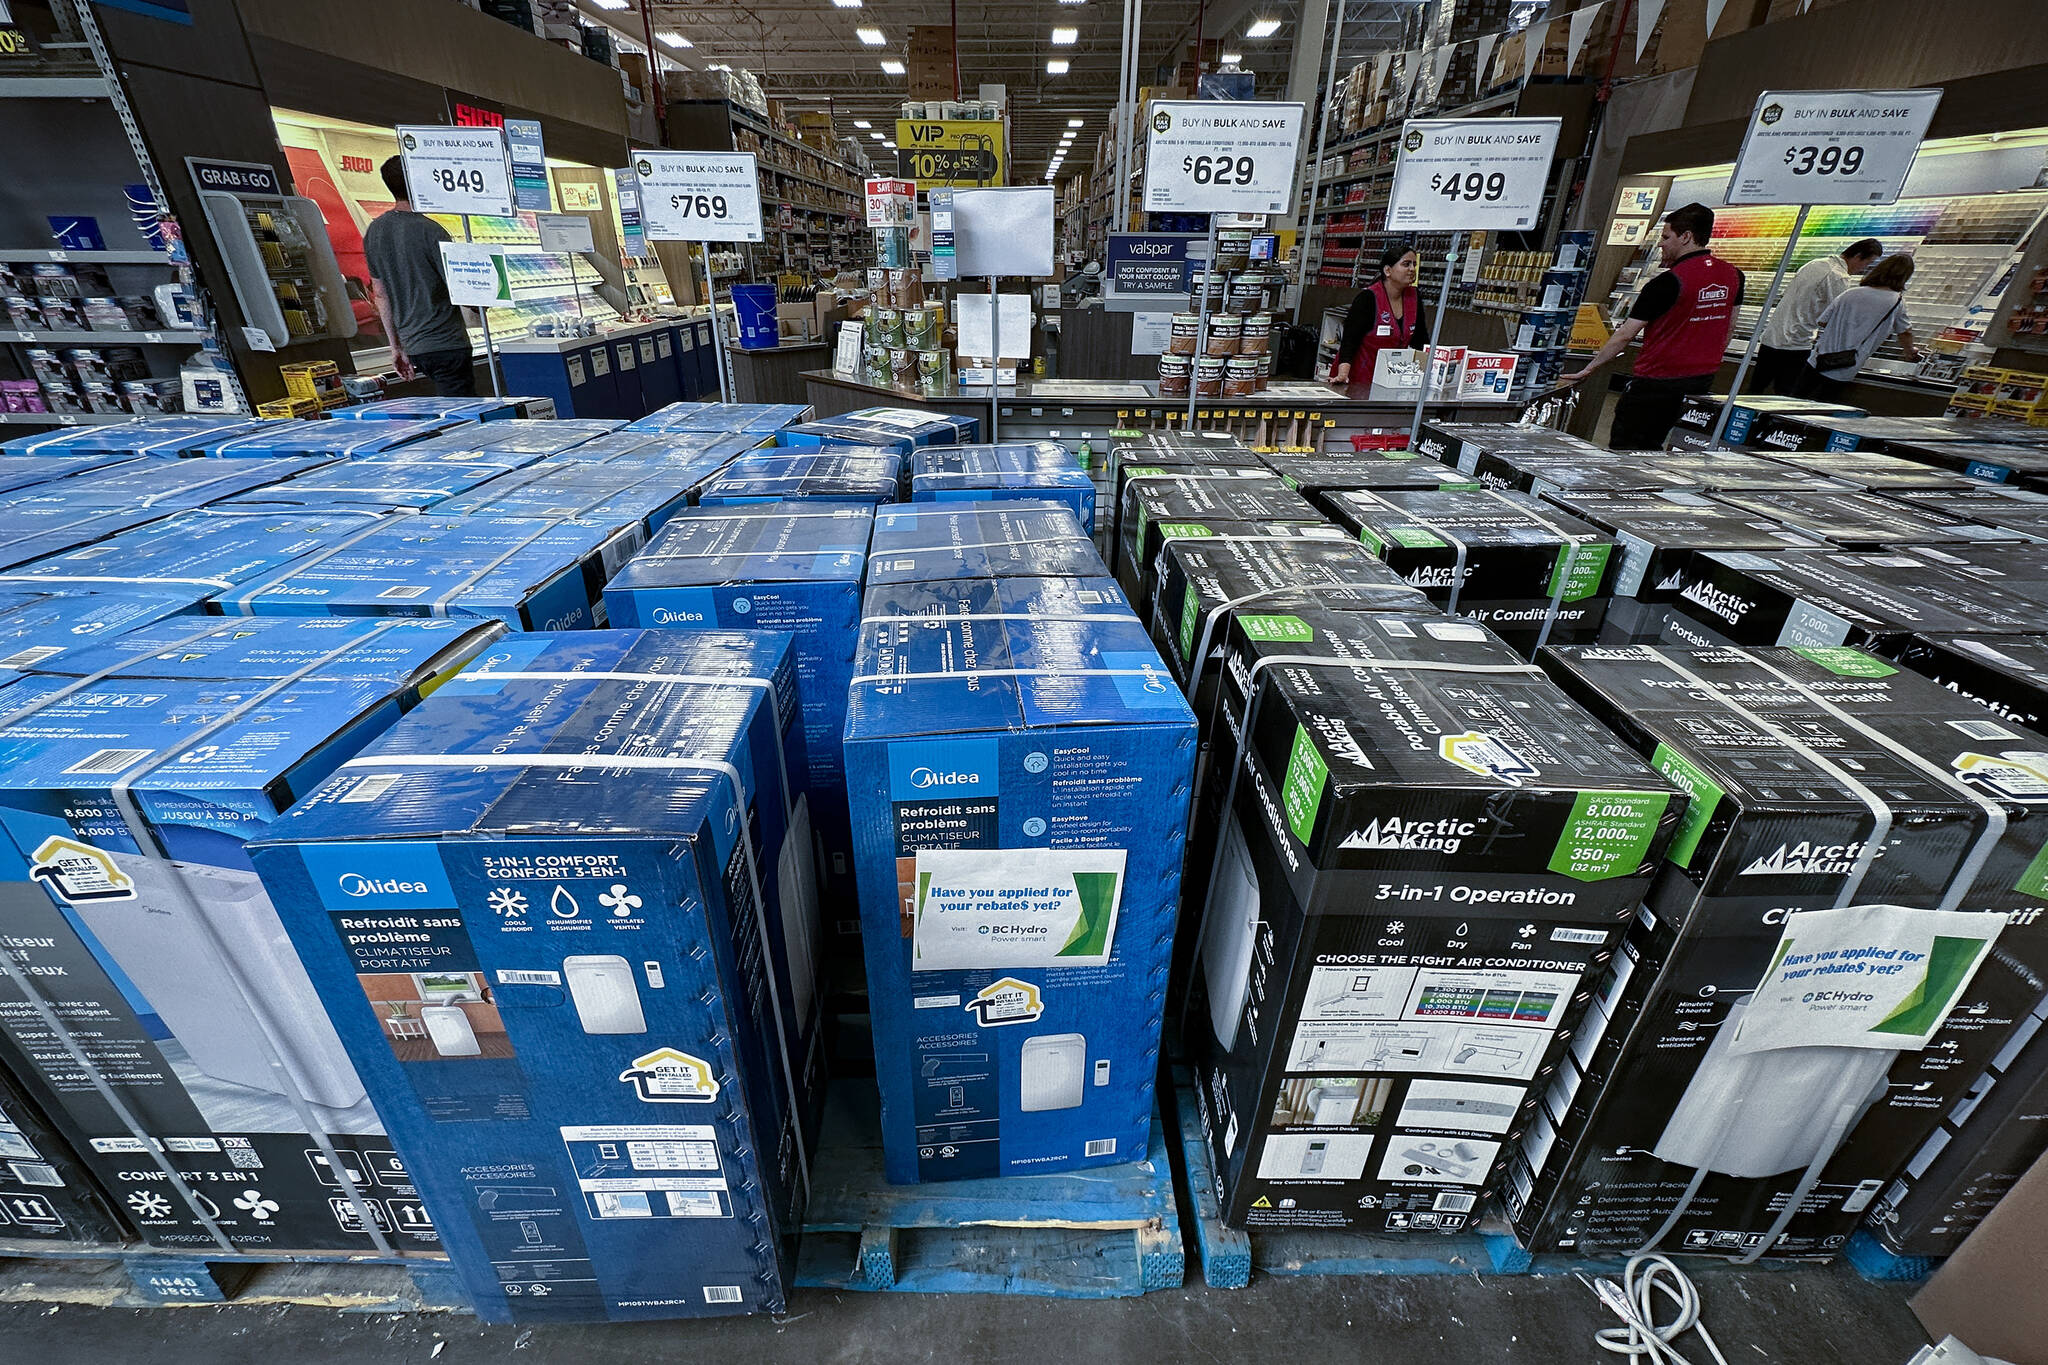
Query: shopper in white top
[[1856, 324], [1788, 332]]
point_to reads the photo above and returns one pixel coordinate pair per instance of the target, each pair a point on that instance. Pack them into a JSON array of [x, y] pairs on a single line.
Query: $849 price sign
[[457, 170], [699, 196]]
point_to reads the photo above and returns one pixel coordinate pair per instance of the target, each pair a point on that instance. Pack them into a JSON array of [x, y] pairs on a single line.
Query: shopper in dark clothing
[[426, 331], [1387, 315], [1684, 316]]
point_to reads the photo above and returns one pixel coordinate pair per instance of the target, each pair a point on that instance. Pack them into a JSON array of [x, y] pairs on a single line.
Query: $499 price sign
[[699, 196], [1470, 175]]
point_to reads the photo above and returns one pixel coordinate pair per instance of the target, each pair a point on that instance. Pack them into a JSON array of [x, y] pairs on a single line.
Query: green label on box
[[1849, 663], [1126, 434], [1290, 481], [1283, 628], [1371, 540], [1182, 530], [1403, 454], [1144, 471], [1580, 568], [1416, 538], [1607, 834], [2034, 881], [1458, 486], [1703, 797], [1301, 792], [1190, 613]]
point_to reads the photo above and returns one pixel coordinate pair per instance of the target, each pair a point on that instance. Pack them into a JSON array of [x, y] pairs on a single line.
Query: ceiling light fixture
[[671, 38], [892, 68], [1263, 28], [862, 123], [846, 4], [611, 4], [876, 136], [1065, 37], [871, 36], [1056, 67], [1232, 58], [1076, 122]]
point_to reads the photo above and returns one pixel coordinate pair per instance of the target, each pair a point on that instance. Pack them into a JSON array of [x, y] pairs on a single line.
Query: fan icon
[[149, 1204], [252, 1202], [508, 903], [620, 901]]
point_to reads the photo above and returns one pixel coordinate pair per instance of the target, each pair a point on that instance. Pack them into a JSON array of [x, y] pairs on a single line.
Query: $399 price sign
[[699, 196], [1830, 146]]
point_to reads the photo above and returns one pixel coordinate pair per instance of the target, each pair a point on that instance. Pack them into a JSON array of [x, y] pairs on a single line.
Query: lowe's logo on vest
[[1714, 293], [378, 876], [940, 770]]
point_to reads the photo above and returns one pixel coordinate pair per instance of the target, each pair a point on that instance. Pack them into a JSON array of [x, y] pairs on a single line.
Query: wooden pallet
[[1108, 1232], [134, 1276]]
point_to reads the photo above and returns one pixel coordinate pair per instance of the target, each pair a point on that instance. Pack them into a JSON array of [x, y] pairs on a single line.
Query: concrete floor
[[1809, 1317]]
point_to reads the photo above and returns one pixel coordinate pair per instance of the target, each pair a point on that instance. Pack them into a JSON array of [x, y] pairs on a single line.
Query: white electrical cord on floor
[[1634, 1301]]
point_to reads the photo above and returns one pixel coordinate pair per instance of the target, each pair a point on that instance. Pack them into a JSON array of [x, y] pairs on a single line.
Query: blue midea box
[[510, 443], [44, 629], [427, 408], [530, 572], [19, 472], [168, 485], [919, 543], [318, 438], [1009, 469], [173, 436], [616, 494], [768, 568], [205, 549], [361, 484], [761, 418], [898, 429], [867, 475], [562, 918], [130, 904], [1025, 761]]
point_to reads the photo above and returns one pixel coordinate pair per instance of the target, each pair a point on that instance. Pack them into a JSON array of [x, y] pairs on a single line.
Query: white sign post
[[463, 171], [1468, 175], [1217, 157], [701, 197], [1810, 147], [567, 234]]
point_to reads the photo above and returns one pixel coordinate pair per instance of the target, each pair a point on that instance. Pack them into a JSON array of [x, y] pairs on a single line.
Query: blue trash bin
[[754, 309]]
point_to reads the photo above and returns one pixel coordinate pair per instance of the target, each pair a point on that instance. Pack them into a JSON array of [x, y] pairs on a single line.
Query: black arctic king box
[[1984, 1145], [1818, 778], [2012, 509], [2008, 674], [1154, 508], [1702, 410], [1730, 470], [1523, 568], [1420, 871], [1859, 521], [1819, 431], [1989, 460], [46, 1192], [1872, 471], [1379, 470], [1814, 598], [2021, 570], [1461, 444], [1543, 473]]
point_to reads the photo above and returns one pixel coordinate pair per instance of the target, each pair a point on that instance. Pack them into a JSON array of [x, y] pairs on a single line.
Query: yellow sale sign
[[957, 153]]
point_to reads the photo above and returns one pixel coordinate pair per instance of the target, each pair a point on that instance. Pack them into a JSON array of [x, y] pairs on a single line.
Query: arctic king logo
[[1806, 859], [1413, 836], [1434, 576], [1672, 583], [1725, 605]]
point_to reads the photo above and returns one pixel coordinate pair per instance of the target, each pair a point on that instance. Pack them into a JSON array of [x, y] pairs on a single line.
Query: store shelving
[[67, 256], [171, 337], [797, 180]]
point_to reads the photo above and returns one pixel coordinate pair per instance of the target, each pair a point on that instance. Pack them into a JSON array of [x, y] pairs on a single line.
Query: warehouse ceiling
[[810, 54]]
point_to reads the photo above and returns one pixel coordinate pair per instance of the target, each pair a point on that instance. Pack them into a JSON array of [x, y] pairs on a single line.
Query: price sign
[[1220, 156], [1472, 174], [699, 196], [1830, 146], [457, 170], [891, 203]]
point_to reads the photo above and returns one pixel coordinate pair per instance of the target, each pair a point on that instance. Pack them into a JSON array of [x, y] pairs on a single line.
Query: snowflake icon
[[508, 903], [620, 901], [149, 1204], [1395, 926], [252, 1202]]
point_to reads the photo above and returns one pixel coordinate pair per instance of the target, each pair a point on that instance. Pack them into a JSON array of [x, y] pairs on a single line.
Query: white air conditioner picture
[[448, 1028], [158, 943], [607, 998], [1232, 927], [1051, 1072]]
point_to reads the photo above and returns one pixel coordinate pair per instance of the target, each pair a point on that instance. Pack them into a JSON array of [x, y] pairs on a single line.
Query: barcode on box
[[109, 760], [1100, 1147], [1455, 1203], [29, 658], [1562, 935], [1982, 729], [405, 590], [35, 1173], [721, 1293], [370, 788], [508, 976]]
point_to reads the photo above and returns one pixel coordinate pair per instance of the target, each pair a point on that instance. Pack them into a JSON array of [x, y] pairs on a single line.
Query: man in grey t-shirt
[[426, 331]]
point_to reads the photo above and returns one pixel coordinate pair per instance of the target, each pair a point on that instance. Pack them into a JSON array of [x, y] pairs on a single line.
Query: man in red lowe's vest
[[1684, 317]]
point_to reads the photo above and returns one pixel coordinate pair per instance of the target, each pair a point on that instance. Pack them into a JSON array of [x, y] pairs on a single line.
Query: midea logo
[[356, 884], [927, 777]]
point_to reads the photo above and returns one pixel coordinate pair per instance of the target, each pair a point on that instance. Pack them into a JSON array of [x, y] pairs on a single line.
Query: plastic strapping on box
[[1880, 811], [110, 578], [1995, 819], [1222, 610], [1457, 568], [746, 842], [1563, 569], [219, 624], [231, 474], [698, 516], [244, 604], [1077, 536], [762, 685]]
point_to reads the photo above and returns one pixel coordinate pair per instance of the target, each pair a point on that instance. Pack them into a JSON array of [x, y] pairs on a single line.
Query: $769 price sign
[[699, 196]]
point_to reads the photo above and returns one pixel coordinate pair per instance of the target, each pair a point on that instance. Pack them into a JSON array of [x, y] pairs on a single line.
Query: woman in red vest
[[1387, 315]]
